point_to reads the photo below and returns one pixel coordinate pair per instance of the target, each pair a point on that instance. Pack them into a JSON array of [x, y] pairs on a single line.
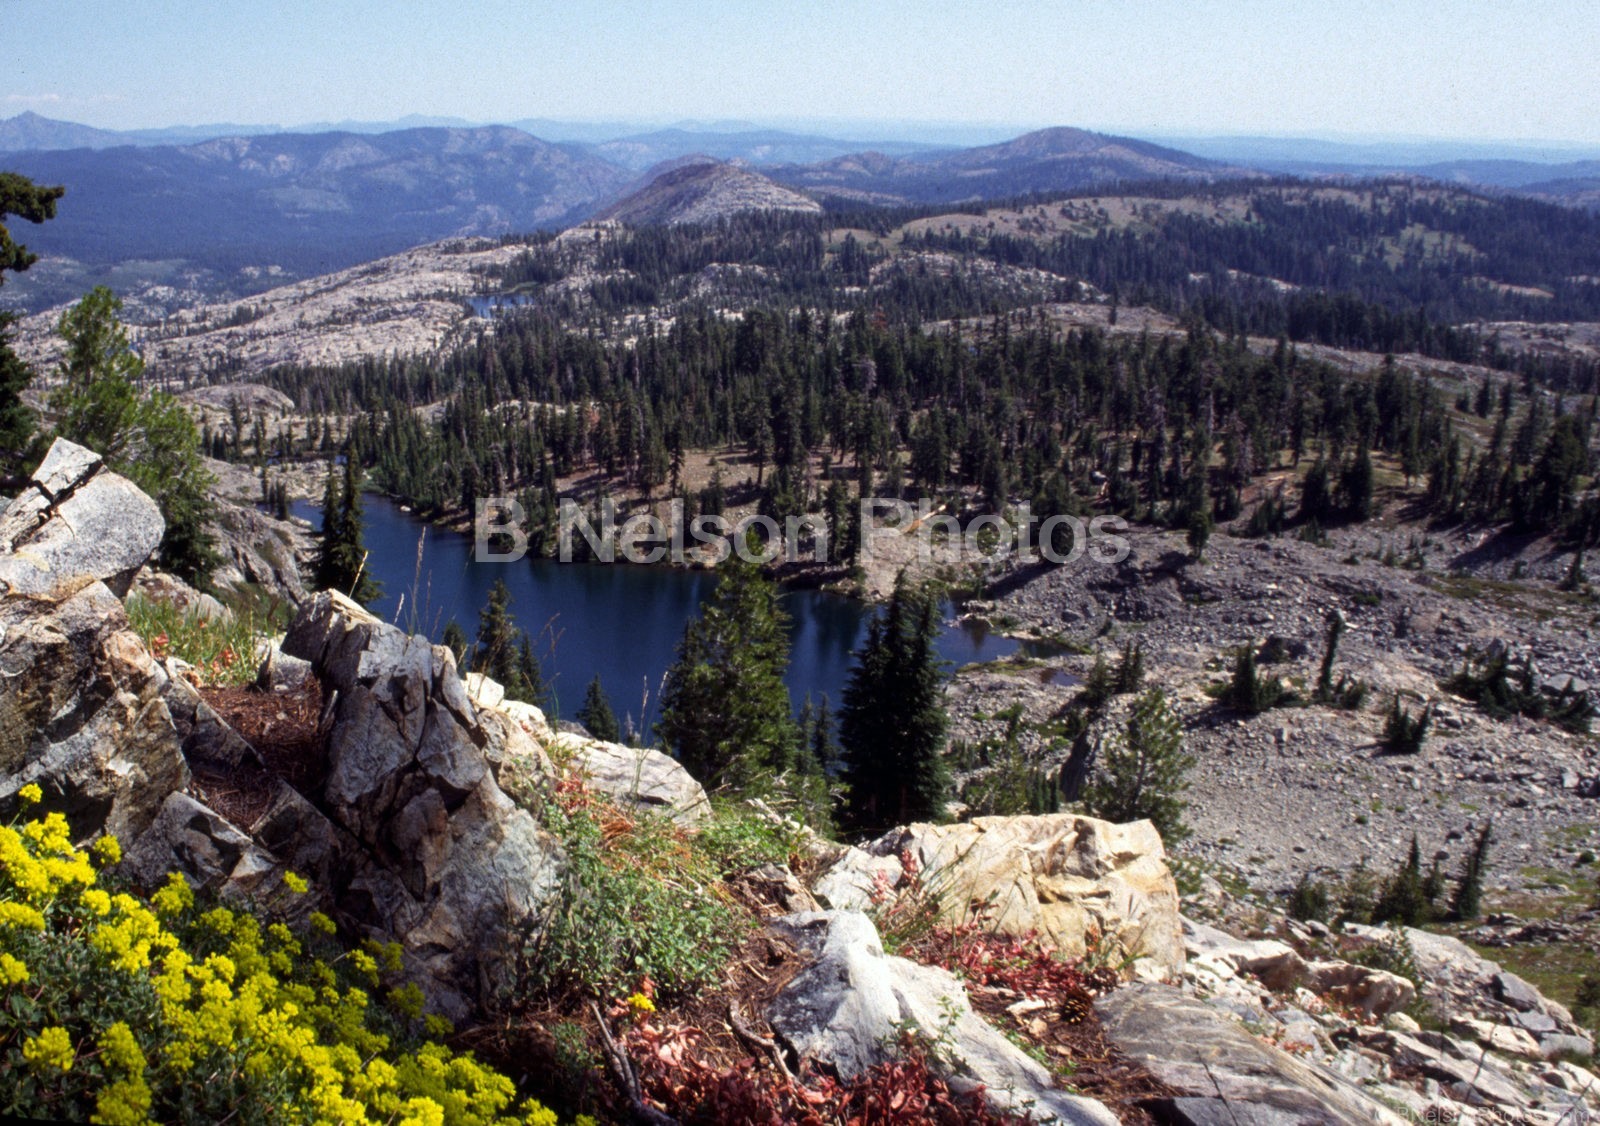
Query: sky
[[1415, 68]]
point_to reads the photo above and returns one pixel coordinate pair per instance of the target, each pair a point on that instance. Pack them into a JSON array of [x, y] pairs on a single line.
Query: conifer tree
[[824, 744], [1467, 903], [596, 714], [724, 707], [1143, 770], [341, 561], [893, 723], [1249, 692], [147, 436], [455, 640], [1403, 899], [21, 197]]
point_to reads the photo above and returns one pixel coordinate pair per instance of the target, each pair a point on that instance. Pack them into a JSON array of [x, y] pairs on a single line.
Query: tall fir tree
[[725, 710], [341, 561], [893, 721]]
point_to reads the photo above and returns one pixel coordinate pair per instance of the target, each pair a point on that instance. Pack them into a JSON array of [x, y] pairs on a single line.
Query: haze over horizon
[[1350, 70]]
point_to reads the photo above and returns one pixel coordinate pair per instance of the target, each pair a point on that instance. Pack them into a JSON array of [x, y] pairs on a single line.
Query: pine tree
[[596, 714], [25, 199], [1403, 900], [893, 723], [1249, 692], [1403, 733], [1355, 487], [1467, 903], [527, 682], [147, 436], [496, 653], [1130, 669], [325, 569], [724, 707], [1143, 770], [824, 745], [1325, 674], [1101, 683], [341, 561]]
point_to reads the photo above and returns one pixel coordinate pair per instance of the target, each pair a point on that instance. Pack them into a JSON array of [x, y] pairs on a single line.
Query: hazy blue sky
[[1441, 68]]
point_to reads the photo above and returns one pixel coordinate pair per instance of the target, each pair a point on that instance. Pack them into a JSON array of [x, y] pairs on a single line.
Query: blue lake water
[[617, 620]]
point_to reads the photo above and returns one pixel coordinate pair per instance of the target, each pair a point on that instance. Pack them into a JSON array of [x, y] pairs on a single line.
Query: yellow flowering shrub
[[123, 1011]]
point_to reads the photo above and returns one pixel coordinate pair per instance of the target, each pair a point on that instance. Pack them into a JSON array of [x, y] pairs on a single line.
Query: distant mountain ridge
[[307, 203], [702, 192], [1056, 159], [229, 216]]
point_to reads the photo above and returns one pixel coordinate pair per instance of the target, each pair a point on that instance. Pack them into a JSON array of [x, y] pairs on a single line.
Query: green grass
[[1554, 969], [221, 650]]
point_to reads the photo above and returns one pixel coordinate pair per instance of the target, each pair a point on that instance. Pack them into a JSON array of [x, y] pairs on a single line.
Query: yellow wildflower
[[295, 883], [30, 795], [121, 1050], [639, 1004], [407, 1000], [51, 1049], [174, 898], [108, 849], [123, 1103], [21, 915], [13, 971]]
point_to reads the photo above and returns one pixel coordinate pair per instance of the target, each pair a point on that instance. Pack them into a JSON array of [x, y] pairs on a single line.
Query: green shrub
[[1403, 733], [737, 840], [1144, 770], [639, 901], [1489, 683], [1309, 900]]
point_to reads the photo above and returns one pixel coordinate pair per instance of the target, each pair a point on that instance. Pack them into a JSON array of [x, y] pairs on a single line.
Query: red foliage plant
[[898, 1092]]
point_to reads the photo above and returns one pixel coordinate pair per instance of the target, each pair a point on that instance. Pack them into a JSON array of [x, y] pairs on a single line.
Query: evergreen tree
[[824, 744], [724, 708], [893, 723], [455, 640], [341, 561], [25, 199], [1143, 770], [1249, 692], [1101, 683], [1316, 503], [1325, 674], [1467, 903], [1403, 733], [148, 437], [1403, 899], [1355, 487], [596, 714], [1130, 668]]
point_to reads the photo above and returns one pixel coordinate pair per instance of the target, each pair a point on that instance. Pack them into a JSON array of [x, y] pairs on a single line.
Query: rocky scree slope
[[1311, 787]]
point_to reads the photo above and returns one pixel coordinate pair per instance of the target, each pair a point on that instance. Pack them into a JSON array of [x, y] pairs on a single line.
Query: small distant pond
[[493, 304]]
